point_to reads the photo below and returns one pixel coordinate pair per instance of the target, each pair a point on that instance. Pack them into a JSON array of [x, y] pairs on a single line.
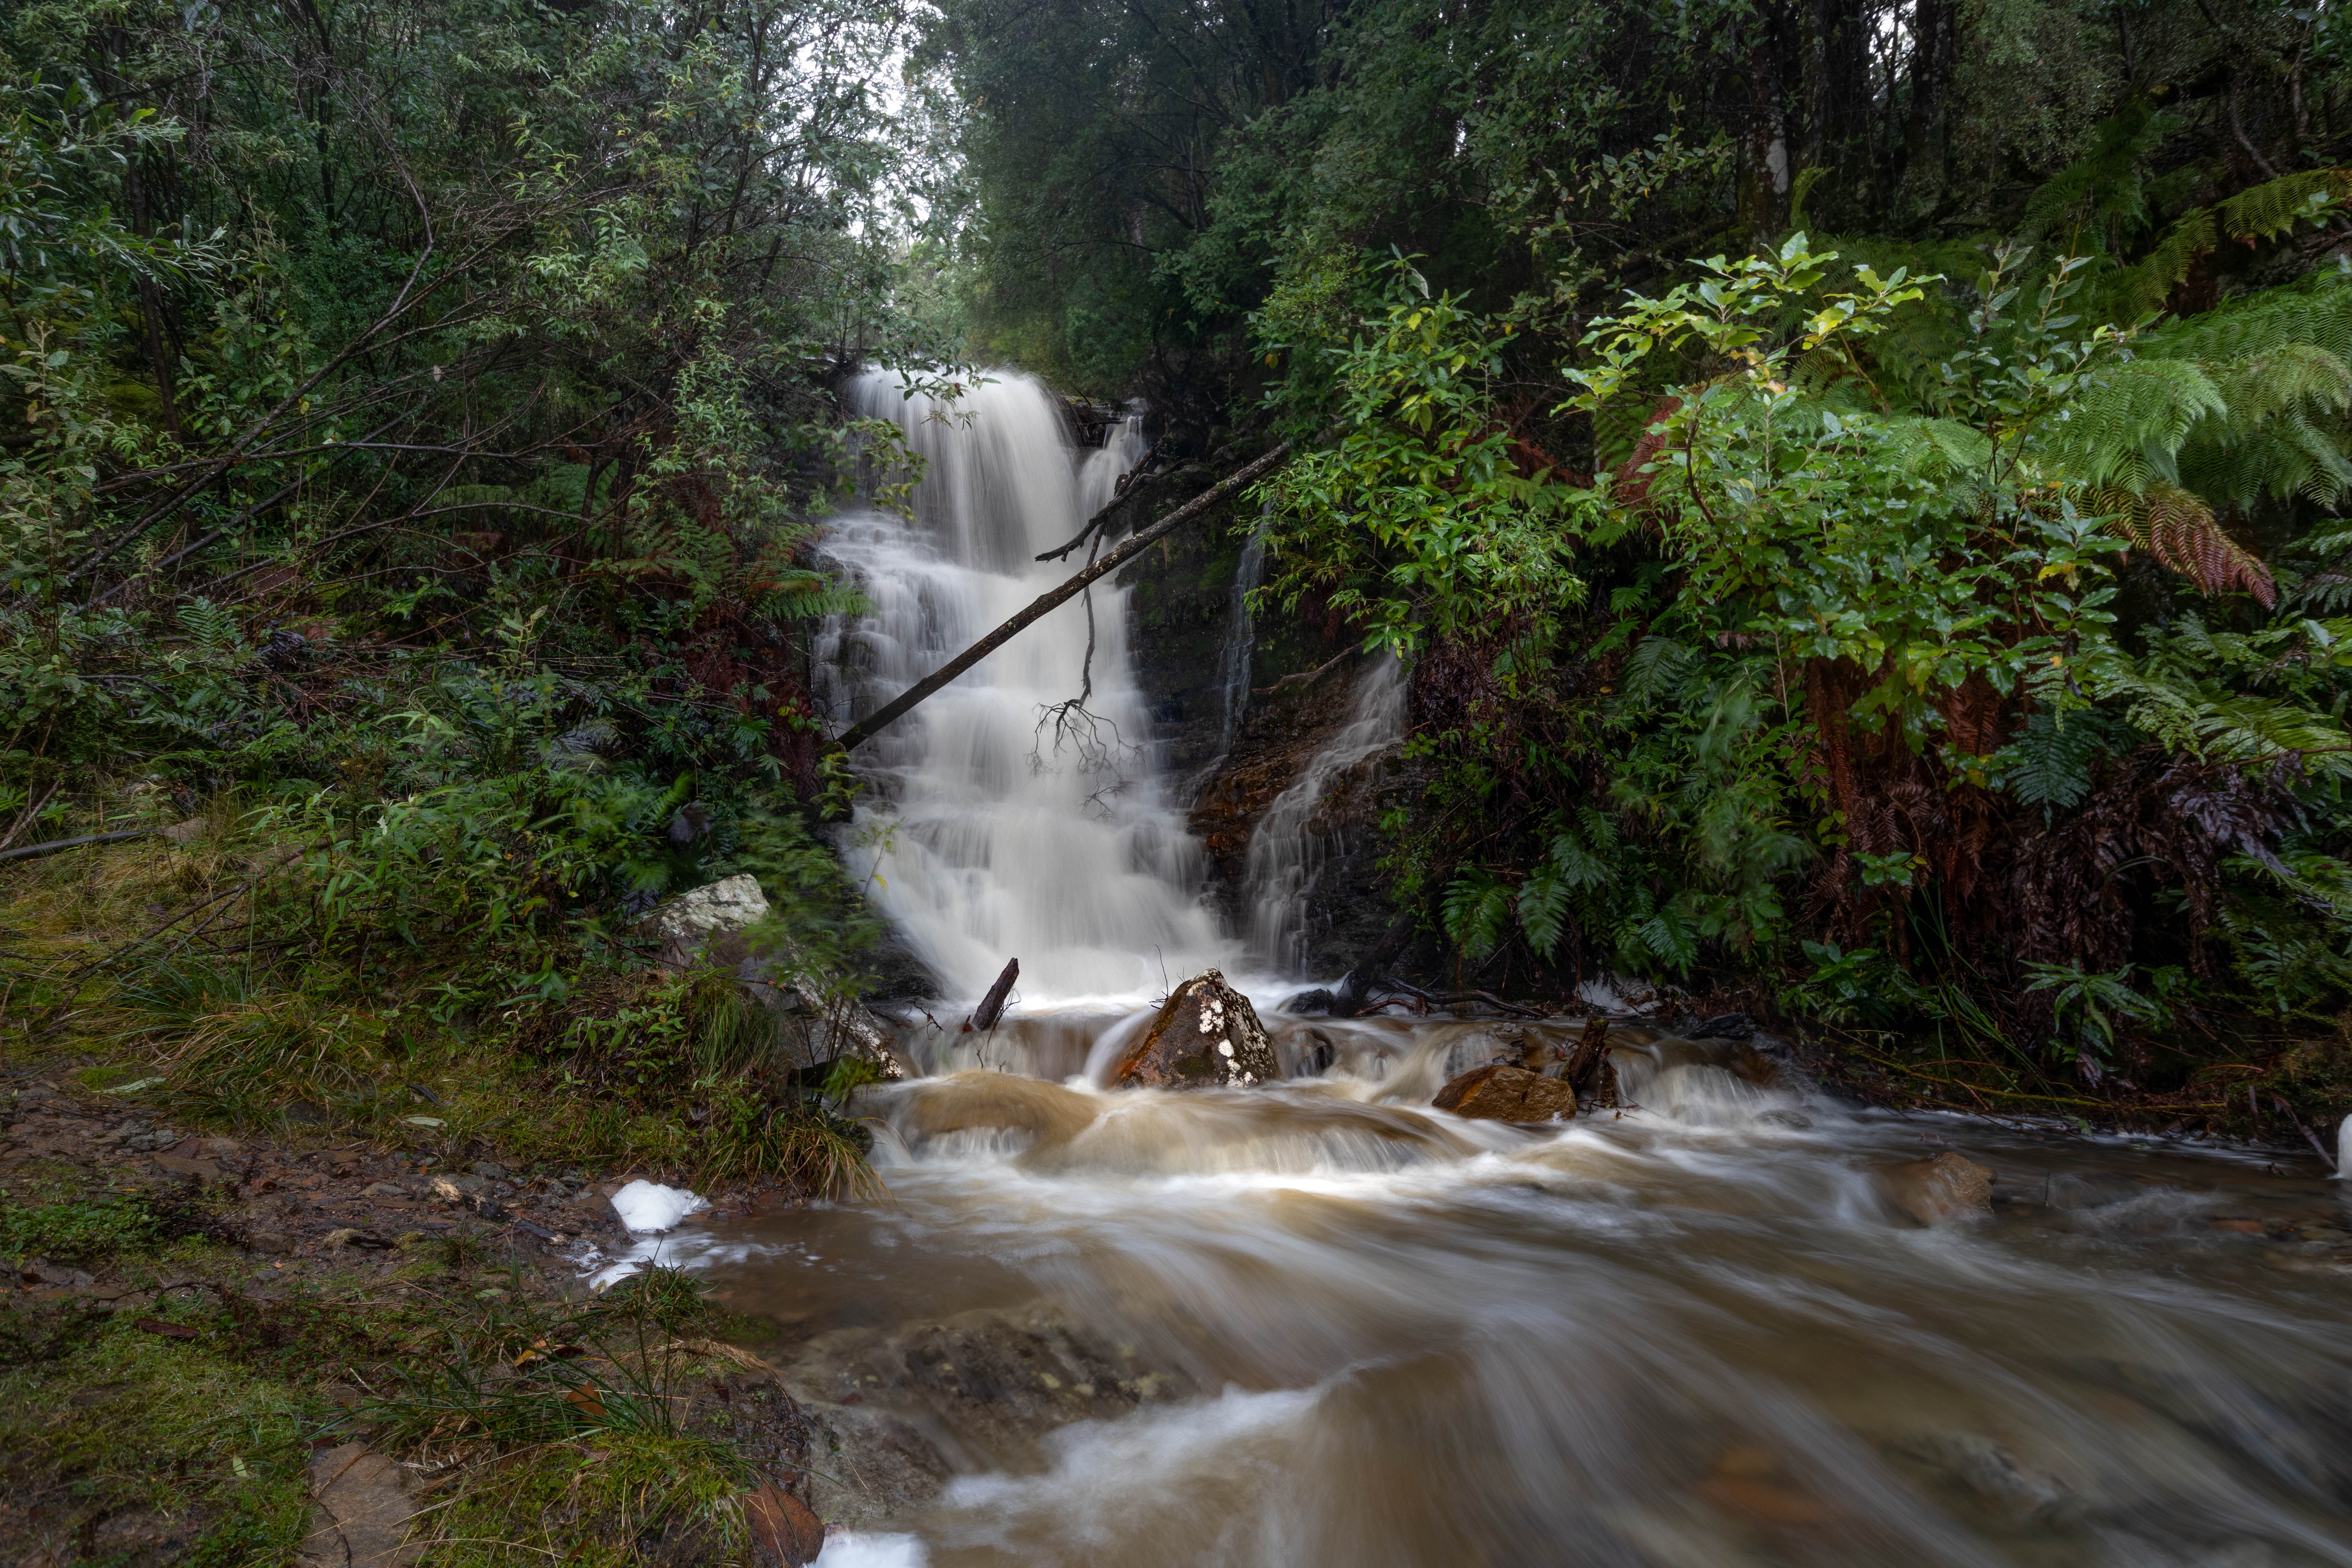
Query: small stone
[[1500, 1092], [490, 1171], [382, 1190], [336, 1238], [202, 1170], [1947, 1189]]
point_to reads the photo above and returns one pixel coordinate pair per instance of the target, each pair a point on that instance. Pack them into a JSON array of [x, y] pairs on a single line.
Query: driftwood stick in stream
[[891, 712], [992, 1007]]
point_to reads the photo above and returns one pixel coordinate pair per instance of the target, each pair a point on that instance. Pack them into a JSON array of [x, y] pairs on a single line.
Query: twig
[[2288, 1111], [54, 845], [31, 813]]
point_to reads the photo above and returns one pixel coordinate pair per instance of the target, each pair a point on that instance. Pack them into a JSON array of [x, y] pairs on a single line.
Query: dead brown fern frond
[[2181, 533]]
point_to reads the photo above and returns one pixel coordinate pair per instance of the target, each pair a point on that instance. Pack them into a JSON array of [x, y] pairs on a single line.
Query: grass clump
[[602, 1403]]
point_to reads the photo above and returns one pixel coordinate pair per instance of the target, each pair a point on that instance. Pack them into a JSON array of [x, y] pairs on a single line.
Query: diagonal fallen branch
[[891, 712]]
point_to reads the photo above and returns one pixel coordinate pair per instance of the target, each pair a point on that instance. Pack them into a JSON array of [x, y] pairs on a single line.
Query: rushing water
[[996, 833], [1320, 1322], [1350, 1329]]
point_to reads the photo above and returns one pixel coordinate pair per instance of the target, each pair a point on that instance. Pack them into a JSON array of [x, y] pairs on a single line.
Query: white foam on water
[[646, 1207], [862, 1548]]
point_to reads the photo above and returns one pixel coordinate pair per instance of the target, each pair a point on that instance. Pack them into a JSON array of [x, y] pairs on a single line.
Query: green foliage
[[1417, 524], [80, 1231]]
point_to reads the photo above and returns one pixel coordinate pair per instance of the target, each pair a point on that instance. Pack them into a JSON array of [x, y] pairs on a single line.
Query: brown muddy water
[[1321, 1323]]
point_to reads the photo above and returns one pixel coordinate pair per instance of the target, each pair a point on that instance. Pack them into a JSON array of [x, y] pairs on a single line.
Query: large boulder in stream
[[816, 1022], [1206, 1034], [1500, 1092]]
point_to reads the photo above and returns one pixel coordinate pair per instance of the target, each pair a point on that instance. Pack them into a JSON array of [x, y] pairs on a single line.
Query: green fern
[[2270, 210], [213, 630]]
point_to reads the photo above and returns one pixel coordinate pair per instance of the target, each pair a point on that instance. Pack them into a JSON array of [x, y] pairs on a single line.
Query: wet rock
[[1500, 1092], [985, 1386], [685, 924], [1207, 1033], [1725, 1027], [359, 1511], [994, 1102], [1945, 1189]]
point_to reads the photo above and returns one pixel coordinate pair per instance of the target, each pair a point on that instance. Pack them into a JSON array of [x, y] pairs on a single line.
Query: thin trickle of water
[[1000, 823], [1287, 851], [1234, 658]]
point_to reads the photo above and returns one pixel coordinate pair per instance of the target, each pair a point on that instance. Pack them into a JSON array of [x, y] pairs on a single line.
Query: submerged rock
[[1207, 1033], [1500, 1092], [1944, 1190]]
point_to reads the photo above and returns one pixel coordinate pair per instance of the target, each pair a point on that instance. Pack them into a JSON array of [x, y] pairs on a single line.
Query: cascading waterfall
[[1287, 849], [998, 828]]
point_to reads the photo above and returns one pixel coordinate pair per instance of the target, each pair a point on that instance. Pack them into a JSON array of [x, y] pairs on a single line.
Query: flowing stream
[[1320, 1323]]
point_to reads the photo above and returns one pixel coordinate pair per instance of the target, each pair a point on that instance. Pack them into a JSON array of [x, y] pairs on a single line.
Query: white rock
[[684, 922], [645, 1206]]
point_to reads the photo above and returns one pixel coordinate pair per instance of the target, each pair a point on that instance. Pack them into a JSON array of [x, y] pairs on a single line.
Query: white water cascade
[[1288, 849], [990, 834]]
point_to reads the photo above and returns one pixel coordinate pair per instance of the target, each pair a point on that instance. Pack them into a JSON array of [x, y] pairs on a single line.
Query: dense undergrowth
[[417, 422]]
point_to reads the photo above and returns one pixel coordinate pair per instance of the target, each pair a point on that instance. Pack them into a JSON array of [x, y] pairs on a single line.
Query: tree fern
[[2124, 430], [2272, 209]]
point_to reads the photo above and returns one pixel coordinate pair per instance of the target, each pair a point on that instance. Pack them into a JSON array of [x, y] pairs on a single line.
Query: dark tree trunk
[[1934, 29]]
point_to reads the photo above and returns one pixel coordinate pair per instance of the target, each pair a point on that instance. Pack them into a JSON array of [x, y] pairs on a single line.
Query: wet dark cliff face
[[1232, 735]]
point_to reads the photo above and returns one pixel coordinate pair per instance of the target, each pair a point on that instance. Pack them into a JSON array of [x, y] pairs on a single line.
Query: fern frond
[[2315, 310], [2134, 291], [2123, 429], [1656, 670], [2105, 187], [213, 629], [2219, 726], [2180, 532], [2274, 208]]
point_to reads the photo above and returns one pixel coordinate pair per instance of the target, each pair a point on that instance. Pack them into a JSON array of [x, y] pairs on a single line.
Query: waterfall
[[988, 830], [1287, 849]]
